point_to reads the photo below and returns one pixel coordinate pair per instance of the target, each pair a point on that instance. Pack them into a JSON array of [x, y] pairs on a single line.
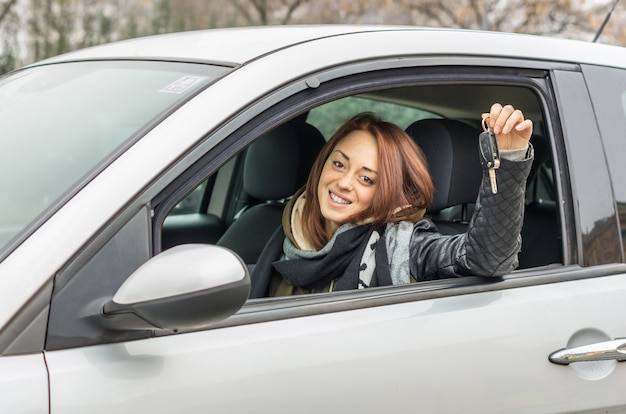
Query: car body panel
[[24, 385]]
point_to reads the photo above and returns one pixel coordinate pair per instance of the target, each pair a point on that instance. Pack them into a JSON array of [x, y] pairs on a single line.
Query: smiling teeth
[[338, 199]]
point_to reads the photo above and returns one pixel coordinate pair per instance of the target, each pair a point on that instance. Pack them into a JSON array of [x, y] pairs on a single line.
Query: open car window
[[241, 205]]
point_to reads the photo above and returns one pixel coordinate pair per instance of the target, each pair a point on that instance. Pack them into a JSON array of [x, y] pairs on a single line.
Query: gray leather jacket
[[492, 242]]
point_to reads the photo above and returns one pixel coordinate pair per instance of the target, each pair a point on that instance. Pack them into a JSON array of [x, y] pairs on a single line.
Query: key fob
[[489, 153]]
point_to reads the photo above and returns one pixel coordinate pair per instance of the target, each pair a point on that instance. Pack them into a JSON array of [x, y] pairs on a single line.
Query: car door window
[[541, 232]]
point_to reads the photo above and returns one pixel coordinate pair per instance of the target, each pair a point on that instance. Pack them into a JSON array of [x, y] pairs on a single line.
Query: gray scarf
[[397, 237]]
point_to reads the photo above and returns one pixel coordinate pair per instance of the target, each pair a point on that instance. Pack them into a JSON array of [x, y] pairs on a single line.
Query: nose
[[346, 182]]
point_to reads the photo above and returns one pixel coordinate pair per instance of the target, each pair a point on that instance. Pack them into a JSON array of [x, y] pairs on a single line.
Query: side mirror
[[186, 287]]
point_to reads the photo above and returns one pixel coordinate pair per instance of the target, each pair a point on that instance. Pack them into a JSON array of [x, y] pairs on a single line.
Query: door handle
[[601, 351]]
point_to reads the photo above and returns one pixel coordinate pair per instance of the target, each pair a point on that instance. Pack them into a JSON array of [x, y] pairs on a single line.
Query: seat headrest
[[311, 142], [451, 149], [278, 163]]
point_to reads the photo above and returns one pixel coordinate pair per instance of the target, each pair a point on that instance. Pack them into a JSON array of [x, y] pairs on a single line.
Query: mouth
[[339, 200]]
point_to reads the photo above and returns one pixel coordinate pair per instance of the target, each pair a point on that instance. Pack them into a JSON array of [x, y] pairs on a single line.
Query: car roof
[[237, 46], [230, 46]]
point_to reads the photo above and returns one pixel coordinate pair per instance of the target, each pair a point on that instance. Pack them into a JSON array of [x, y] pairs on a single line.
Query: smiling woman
[[363, 158]]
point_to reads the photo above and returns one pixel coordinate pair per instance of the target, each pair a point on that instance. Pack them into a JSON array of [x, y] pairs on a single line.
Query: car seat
[[541, 241], [451, 150], [275, 166]]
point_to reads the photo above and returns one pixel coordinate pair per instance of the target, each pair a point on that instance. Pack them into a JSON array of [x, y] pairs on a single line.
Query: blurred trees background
[[31, 30]]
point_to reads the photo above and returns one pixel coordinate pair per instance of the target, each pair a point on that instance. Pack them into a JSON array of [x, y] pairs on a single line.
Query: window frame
[[282, 109], [267, 309]]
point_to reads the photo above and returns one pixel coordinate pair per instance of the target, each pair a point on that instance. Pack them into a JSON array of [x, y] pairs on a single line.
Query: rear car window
[[607, 87]]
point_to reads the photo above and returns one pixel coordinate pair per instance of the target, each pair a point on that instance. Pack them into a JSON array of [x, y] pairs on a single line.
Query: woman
[[359, 220]]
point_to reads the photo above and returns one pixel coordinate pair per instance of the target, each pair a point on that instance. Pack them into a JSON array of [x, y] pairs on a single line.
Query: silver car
[[141, 180]]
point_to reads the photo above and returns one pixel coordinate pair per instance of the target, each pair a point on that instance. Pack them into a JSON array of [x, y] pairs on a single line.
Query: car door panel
[[474, 353]]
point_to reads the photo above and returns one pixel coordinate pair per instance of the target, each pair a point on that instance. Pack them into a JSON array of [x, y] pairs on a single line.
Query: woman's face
[[349, 179]]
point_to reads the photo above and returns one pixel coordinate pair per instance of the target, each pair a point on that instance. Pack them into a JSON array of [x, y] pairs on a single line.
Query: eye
[[367, 180], [338, 164]]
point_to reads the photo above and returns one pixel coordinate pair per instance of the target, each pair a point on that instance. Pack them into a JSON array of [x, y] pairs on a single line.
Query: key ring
[[485, 125]]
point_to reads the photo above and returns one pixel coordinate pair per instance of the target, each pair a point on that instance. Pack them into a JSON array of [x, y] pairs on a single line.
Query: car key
[[489, 154]]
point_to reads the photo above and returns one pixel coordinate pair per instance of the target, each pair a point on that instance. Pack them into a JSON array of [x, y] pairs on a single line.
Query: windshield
[[59, 123]]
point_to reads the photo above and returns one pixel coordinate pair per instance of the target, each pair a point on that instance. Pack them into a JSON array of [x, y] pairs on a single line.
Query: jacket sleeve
[[492, 241]]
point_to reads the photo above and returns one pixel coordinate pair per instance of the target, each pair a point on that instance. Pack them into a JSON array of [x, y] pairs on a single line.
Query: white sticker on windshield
[[182, 84]]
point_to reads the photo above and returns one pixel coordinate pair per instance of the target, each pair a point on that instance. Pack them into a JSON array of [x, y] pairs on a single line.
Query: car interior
[[241, 205]]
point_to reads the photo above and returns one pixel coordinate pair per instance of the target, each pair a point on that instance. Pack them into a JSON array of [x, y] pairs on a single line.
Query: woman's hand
[[511, 129]]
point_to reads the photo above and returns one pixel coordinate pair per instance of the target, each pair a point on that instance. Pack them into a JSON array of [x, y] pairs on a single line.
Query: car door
[[471, 352], [465, 345]]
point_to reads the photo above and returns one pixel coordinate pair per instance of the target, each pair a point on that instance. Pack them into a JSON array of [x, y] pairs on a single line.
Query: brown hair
[[404, 187]]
